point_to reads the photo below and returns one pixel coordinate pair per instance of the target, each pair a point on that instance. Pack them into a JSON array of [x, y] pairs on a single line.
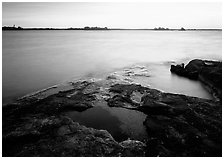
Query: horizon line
[[107, 28]]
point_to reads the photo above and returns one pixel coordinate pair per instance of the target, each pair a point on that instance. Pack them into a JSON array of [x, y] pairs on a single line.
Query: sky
[[112, 15]]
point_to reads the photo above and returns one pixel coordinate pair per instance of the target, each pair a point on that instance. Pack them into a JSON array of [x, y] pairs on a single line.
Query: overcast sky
[[113, 15]]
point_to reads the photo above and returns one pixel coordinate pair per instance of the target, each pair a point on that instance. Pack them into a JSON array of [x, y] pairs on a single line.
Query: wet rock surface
[[208, 72], [39, 127], [177, 125]]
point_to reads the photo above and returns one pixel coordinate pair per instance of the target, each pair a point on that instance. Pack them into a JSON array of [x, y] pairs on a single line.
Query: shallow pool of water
[[119, 122]]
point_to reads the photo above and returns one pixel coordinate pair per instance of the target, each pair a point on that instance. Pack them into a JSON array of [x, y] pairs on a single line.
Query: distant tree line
[[161, 28], [95, 28], [12, 28], [85, 28], [88, 28]]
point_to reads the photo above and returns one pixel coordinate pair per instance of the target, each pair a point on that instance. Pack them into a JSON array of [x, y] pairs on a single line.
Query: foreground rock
[[38, 127], [60, 136], [208, 72], [177, 125]]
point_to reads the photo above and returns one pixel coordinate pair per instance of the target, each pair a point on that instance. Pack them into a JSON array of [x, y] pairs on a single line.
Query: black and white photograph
[[111, 79]]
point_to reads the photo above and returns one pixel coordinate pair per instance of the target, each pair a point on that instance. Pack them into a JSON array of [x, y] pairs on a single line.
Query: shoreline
[[40, 120], [62, 86], [174, 30]]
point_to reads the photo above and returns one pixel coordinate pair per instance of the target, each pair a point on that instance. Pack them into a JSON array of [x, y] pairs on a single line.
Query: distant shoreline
[[105, 29], [118, 29]]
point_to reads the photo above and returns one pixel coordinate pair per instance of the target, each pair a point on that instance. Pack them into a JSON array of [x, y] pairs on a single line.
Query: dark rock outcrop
[[180, 122], [208, 72], [39, 127], [60, 136], [175, 123], [181, 71]]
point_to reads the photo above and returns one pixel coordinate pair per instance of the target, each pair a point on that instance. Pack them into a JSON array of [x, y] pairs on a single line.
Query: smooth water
[[33, 60], [121, 123], [161, 78]]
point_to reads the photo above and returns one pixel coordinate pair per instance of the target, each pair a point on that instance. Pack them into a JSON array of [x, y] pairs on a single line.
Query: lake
[[33, 60]]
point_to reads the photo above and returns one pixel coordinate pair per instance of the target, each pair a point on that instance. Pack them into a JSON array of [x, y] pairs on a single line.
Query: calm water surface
[[121, 123], [33, 60]]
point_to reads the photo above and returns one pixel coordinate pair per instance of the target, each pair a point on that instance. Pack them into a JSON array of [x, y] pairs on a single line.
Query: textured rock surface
[[60, 136], [177, 125], [38, 127]]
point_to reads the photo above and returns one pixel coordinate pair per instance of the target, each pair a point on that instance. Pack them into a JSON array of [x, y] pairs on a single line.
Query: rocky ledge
[[177, 125], [38, 127], [208, 72]]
